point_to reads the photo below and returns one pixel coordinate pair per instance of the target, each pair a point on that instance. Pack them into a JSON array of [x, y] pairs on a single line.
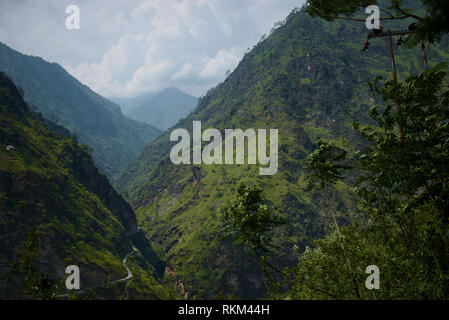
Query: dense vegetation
[[401, 228], [164, 109], [401, 190], [57, 209], [96, 122], [308, 78]]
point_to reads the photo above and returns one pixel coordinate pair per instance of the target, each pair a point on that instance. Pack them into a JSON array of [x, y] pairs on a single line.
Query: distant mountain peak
[[163, 109]]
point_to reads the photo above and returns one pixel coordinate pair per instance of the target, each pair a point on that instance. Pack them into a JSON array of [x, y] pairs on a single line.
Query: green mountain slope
[[165, 109], [50, 186], [97, 122], [309, 80]]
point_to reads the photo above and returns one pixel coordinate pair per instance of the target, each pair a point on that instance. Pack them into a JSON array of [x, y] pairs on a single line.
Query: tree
[[402, 182], [251, 219], [326, 165], [402, 190]]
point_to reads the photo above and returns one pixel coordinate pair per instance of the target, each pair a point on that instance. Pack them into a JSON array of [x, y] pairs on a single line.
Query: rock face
[[83, 170]]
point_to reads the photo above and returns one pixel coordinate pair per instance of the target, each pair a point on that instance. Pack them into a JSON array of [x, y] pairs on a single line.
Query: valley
[[302, 167]]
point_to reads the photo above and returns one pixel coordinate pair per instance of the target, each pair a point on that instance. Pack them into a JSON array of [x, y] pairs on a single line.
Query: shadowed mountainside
[[49, 187]]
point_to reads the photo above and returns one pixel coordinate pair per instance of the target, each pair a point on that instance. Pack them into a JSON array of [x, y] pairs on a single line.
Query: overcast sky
[[128, 47]]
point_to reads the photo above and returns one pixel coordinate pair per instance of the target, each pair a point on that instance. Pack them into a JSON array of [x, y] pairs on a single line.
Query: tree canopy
[[432, 22]]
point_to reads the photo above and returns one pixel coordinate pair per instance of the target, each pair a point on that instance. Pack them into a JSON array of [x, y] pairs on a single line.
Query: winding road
[[129, 276]]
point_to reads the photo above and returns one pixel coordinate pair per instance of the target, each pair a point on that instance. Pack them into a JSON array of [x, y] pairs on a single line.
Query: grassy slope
[[309, 80]]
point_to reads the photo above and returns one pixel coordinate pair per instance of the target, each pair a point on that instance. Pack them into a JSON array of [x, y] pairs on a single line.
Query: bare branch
[[408, 14], [392, 33], [387, 12]]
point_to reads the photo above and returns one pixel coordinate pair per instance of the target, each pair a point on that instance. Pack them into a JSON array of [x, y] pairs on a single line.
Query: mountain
[[128, 104], [52, 193], [308, 79], [164, 109], [97, 122]]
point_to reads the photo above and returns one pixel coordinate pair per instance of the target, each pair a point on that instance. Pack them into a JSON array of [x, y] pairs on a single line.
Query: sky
[[125, 48]]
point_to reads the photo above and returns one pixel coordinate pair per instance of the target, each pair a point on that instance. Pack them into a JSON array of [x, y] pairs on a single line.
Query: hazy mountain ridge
[[127, 104], [49, 185], [97, 122], [164, 109]]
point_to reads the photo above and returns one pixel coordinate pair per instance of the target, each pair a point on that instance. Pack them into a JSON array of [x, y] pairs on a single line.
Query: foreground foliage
[[402, 189]]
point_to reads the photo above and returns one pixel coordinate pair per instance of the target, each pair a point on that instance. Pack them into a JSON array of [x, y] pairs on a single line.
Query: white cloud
[[183, 73], [223, 61], [127, 47]]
